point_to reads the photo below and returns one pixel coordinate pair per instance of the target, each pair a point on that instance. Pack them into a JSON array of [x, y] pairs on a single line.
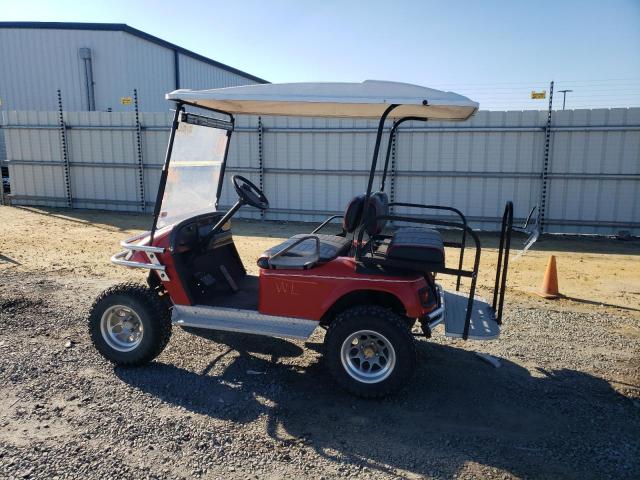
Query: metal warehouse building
[[580, 167], [95, 65]]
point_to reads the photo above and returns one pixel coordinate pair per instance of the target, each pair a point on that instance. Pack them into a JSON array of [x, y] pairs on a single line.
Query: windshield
[[194, 172]]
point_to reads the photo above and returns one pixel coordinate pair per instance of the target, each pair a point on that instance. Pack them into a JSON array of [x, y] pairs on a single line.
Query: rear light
[[426, 299]]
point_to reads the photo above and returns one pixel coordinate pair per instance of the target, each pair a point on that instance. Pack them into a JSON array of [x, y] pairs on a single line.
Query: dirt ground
[[594, 273], [565, 402]]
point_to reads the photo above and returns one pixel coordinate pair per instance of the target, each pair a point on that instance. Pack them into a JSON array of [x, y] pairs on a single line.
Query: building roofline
[[122, 27]]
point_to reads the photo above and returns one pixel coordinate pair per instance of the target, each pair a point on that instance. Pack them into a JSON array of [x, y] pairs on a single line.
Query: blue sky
[[496, 52]]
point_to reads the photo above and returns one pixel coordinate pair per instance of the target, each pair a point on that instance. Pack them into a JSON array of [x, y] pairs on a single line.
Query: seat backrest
[[378, 205], [353, 214]]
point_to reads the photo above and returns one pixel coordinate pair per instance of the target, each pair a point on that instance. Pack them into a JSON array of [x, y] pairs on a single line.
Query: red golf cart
[[366, 284]]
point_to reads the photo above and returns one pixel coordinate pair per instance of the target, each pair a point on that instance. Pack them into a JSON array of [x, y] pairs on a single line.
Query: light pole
[[564, 96]]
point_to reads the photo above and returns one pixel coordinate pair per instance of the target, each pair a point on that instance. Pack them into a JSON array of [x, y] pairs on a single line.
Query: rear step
[[483, 324], [246, 321]]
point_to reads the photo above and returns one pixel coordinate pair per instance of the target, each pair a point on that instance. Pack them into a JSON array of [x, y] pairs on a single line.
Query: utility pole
[[564, 96]]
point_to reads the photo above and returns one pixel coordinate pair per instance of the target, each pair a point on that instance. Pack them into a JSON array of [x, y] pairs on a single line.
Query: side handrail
[[119, 259], [523, 228], [326, 222], [288, 248], [476, 262], [533, 234], [450, 209], [140, 248], [129, 244], [503, 260]]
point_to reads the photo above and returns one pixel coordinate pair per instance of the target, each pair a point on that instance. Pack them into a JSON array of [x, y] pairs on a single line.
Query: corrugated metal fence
[[310, 168]]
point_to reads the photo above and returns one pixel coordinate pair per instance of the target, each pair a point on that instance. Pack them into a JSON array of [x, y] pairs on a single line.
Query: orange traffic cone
[[549, 288]]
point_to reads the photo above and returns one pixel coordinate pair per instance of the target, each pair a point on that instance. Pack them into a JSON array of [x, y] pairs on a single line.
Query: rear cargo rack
[[503, 260], [488, 312]]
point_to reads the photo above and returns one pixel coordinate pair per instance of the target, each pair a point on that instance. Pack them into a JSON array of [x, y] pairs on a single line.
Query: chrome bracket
[[153, 258]]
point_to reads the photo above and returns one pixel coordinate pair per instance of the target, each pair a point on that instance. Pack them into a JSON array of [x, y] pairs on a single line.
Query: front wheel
[[369, 351], [129, 325]]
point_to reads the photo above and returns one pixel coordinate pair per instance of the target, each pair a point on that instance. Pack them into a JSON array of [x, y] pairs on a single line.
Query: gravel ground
[[564, 404]]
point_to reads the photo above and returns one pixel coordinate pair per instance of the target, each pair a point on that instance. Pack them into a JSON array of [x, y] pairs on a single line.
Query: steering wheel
[[249, 193]]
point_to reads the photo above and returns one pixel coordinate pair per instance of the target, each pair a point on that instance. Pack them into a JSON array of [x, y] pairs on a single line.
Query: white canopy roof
[[368, 99]]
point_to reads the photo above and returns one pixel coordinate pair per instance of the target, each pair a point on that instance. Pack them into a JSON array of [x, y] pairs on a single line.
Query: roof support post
[[165, 170], [223, 168], [376, 150]]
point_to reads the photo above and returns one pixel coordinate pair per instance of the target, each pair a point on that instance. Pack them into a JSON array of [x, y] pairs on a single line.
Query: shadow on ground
[[103, 220], [9, 260], [457, 410]]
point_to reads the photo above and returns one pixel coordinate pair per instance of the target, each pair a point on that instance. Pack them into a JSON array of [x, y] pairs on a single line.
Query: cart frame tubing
[[376, 151], [223, 167], [167, 158], [392, 136], [473, 274], [165, 171], [503, 256], [459, 272]]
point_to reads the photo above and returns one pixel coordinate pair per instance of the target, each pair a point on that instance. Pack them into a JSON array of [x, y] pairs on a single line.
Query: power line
[[546, 82], [502, 90], [594, 93]]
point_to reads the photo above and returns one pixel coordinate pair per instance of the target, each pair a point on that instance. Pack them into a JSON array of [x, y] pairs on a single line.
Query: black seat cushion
[[377, 206], [331, 246], [416, 244], [353, 214]]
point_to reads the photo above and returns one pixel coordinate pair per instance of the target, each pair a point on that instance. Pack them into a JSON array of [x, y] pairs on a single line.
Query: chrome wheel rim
[[121, 328], [368, 356]]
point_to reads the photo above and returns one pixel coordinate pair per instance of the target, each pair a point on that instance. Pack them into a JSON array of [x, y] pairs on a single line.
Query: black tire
[[383, 322], [154, 317]]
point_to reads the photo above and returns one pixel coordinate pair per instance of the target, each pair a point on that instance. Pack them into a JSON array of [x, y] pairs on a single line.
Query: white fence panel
[[36, 168], [475, 167], [595, 172], [310, 168]]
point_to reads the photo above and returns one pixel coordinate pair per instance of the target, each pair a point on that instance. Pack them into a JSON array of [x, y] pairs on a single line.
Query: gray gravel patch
[[563, 404]]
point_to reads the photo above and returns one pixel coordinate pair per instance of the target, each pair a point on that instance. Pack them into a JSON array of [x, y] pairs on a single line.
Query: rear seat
[[417, 248], [414, 248], [418, 244]]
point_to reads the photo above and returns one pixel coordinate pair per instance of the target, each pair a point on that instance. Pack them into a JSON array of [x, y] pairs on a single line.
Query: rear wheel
[[369, 351], [129, 324]]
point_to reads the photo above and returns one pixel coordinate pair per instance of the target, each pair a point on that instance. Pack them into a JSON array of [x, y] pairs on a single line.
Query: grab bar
[[151, 251], [129, 245], [118, 259], [288, 248]]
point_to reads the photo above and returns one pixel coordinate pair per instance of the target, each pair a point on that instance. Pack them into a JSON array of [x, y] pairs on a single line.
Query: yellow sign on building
[[126, 101], [538, 95]]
